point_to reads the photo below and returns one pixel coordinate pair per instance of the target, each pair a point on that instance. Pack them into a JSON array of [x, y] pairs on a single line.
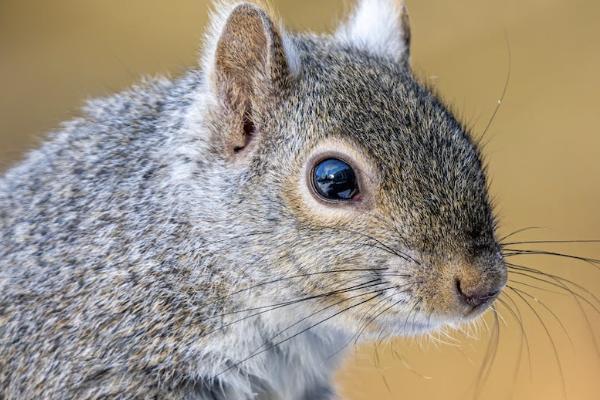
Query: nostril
[[459, 290], [474, 298]]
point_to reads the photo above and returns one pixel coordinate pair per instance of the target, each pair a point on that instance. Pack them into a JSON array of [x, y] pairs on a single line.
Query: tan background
[[544, 152]]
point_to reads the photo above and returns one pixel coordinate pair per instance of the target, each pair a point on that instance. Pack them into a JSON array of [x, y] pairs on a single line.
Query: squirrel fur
[[164, 245]]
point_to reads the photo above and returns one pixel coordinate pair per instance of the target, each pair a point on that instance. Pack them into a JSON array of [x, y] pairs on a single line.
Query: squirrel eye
[[334, 179]]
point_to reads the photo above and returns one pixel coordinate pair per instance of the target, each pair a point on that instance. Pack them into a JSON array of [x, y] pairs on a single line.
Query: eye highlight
[[334, 180]]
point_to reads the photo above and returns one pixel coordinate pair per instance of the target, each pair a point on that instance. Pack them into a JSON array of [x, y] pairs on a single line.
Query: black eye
[[333, 179]]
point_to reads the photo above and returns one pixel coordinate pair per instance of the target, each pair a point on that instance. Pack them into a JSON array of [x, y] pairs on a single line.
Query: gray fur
[[127, 240]]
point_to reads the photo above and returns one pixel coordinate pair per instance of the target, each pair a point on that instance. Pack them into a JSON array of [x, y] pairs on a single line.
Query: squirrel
[[227, 234]]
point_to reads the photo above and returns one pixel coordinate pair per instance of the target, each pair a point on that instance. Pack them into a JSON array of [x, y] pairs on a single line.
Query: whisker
[[525, 271], [520, 315], [560, 282], [362, 322], [528, 228], [550, 242], [281, 305], [512, 280], [381, 313], [385, 382], [386, 247], [552, 343], [273, 345], [549, 311], [517, 252], [504, 90], [362, 326], [334, 271], [490, 355], [524, 338], [371, 283], [409, 367]]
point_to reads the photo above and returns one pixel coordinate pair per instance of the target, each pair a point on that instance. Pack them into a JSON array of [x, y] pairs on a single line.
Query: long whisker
[[560, 283], [552, 343], [512, 280], [520, 353], [490, 355], [519, 318], [270, 307], [388, 248], [547, 309], [273, 307], [504, 90], [380, 301], [516, 232], [549, 242], [517, 252], [371, 319], [298, 276], [408, 366], [273, 345], [525, 271]]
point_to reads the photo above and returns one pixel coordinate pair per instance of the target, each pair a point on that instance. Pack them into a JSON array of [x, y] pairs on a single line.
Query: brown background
[[544, 148]]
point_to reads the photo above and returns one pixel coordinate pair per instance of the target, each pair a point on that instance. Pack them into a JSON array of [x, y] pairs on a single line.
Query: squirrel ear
[[380, 27], [247, 59]]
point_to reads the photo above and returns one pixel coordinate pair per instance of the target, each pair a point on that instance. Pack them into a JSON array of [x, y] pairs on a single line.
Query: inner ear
[[248, 131]]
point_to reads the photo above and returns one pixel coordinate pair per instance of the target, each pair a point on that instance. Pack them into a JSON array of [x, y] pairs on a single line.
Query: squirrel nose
[[474, 296]]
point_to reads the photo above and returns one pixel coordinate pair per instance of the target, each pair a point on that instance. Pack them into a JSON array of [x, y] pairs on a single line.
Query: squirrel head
[[328, 165]]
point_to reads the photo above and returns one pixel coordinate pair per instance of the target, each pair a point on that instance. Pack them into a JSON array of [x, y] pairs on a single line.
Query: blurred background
[[543, 149]]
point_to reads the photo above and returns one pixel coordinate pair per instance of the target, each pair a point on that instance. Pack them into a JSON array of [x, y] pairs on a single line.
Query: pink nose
[[475, 296]]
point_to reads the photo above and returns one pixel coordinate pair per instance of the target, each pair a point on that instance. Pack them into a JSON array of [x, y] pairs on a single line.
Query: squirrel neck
[[255, 320]]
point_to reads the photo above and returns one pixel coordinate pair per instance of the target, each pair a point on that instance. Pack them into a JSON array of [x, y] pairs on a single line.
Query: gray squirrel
[[229, 233]]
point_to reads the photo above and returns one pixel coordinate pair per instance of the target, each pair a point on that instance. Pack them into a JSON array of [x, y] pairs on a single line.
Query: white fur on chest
[[277, 362], [304, 364]]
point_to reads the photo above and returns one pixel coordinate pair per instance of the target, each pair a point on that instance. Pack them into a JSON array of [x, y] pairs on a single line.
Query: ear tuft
[[380, 27], [239, 19]]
